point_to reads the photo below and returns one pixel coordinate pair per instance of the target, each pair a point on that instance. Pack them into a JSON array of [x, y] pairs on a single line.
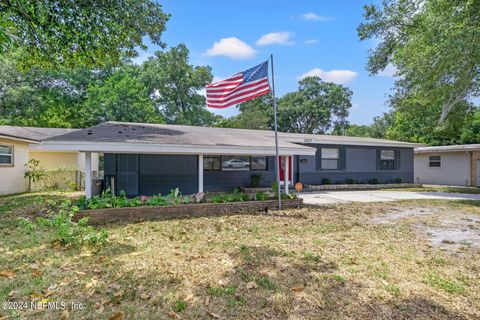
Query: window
[[434, 161], [211, 163], [258, 163], [235, 163], [387, 160], [330, 158], [6, 155]]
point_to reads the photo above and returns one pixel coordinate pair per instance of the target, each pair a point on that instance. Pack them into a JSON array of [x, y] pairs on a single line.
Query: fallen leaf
[[48, 293], [297, 289], [173, 315], [99, 307], [65, 315], [7, 274], [214, 315], [36, 272], [114, 286], [80, 273], [145, 296], [207, 301], [119, 293], [12, 294], [251, 285], [117, 316], [189, 297]]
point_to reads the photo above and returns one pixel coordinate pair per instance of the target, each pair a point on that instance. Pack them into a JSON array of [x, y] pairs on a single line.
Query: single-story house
[[20, 144], [146, 159], [455, 165]]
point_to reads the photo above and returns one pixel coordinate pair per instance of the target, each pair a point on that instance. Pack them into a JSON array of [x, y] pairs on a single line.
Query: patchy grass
[[435, 188], [330, 262]]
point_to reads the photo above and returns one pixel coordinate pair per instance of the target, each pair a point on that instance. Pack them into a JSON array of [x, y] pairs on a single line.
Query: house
[[146, 159], [454, 165], [20, 144]]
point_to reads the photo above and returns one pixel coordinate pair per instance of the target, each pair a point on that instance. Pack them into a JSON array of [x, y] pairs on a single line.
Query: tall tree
[[174, 85], [316, 107], [121, 97], [254, 114], [78, 33], [434, 45]]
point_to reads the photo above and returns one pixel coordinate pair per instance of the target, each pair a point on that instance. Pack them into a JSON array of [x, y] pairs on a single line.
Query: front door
[[281, 167]]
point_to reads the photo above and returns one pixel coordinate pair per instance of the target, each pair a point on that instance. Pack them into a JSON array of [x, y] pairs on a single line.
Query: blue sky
[[305, 37]]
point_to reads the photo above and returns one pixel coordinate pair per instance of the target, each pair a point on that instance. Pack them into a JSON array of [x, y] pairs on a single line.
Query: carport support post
[[88, 175], [200, 173], [286, 173]]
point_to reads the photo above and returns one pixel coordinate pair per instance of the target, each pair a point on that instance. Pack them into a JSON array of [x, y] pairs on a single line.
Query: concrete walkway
[[329, 197]]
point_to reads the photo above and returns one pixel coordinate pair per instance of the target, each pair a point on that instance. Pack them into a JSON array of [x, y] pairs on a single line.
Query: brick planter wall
[[360, 186], [99, 216]]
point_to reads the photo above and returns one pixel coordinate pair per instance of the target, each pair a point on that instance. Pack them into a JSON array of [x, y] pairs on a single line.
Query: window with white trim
[[434, 161], [6, 155], [330, 158]]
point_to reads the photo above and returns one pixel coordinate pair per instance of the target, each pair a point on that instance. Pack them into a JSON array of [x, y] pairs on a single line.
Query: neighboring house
[[20, 144], [146, 159], [454, 165]]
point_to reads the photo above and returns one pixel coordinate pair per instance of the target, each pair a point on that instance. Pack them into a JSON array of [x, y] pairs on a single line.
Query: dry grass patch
[[330, 262]]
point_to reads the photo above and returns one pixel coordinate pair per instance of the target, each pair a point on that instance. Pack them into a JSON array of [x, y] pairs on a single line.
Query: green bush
[[235, 196], [398, 180], [326, 181], [261, 196], [374, 181], [351, 181], [255, 180], [69, 232]]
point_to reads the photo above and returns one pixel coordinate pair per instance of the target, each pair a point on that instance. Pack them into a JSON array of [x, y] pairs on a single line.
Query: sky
[[306, 37]]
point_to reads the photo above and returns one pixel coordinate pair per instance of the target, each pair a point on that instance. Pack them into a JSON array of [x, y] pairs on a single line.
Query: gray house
[[146, 159]]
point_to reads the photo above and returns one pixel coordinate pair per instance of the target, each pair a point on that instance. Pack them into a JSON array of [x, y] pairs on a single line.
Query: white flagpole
[[277, 158]]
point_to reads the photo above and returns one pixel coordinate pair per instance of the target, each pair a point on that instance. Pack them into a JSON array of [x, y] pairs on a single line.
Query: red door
[[281, 166]]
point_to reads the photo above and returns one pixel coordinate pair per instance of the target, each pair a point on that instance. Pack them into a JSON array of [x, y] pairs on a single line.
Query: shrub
[[351, 181], [235, 196], [398, 180], [261, 196], [374, 181], [326, 181], [255, 180], [339, 182], [69, 232]]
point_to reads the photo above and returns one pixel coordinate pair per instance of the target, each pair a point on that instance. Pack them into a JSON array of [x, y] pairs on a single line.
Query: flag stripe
[[231, 103], [239, 93], [241, 88], [234, 78], [250, 84], [240, 97]]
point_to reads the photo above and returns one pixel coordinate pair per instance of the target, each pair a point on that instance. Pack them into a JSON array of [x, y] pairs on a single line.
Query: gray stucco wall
[[360, 164]]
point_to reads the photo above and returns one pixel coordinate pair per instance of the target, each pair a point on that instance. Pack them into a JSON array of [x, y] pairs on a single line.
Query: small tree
[[34, 172]]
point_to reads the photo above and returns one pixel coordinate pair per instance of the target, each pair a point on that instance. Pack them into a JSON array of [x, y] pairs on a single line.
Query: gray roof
[[121, 132], [451, 148], [32, 133]]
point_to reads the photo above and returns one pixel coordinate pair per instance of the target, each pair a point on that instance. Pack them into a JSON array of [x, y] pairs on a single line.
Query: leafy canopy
[[79, 33]]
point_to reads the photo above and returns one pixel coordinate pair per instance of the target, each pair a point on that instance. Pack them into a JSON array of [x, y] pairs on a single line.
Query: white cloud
[[142, 57], [335, 76], [231, 47], [311, 41], [310, 16], [389, 71], [275, 38]]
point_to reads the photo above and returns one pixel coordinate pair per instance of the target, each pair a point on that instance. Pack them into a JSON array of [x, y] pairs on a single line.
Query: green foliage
[[255, 180], [433, 44], [121, 97], [398, 180], [267, 283], [449, 286], [351, 181], [374, 181], [235, 196], [326, 181], [180, 306], [33, 173], [69, 232], [79, 33], [254, 114], [261, 196], [316, 107]]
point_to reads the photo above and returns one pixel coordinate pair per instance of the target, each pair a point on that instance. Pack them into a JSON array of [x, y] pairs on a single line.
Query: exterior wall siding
[[12, 177], [454, 169], [360, 164]]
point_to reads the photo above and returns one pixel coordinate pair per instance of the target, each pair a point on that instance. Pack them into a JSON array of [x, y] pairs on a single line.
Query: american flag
[[242, 87]]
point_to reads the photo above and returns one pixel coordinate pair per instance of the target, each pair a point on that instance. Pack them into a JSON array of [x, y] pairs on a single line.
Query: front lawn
[[362, 261]]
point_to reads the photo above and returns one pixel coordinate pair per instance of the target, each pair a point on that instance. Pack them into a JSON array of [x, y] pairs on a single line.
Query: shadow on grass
[[270, 283]]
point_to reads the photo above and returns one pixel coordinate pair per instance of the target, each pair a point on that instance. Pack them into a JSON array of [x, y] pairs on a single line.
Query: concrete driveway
[[329, 197]]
